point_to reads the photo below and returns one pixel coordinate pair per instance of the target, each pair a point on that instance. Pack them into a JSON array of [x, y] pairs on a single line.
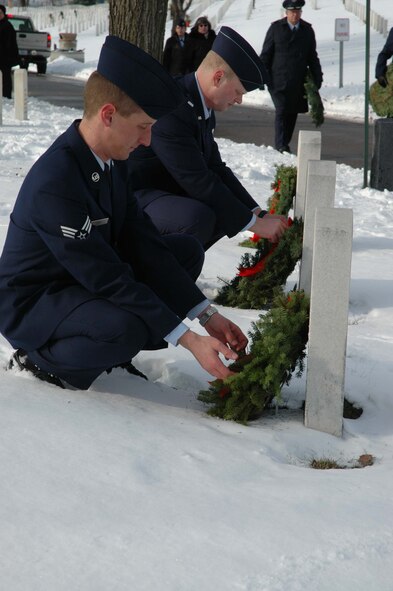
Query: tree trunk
[[178, 9], [141, 22]]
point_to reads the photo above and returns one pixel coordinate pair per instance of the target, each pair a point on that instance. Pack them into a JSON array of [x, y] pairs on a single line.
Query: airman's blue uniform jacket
[[184, 160], [67, 243]]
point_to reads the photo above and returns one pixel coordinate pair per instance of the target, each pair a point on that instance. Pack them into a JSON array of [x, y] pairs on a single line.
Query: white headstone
[[309, 148], [331, 273], [20, 94], [320, 190]]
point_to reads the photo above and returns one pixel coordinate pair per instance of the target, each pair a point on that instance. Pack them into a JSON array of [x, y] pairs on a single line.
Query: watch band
[[207, 314]]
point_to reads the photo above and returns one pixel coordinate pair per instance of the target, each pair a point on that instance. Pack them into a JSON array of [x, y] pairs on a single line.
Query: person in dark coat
[[383, 57], [173, 59], [86, 281], [181, 180], [288, 52], [9, 54], [200, 42]]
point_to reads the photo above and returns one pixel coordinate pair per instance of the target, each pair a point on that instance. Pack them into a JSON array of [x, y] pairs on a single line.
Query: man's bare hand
[[226, 331], [270, 226], [206, 351]]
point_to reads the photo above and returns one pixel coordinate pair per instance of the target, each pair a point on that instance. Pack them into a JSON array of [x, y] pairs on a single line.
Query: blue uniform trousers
[[284, 127], [98, 335], [181, 215]]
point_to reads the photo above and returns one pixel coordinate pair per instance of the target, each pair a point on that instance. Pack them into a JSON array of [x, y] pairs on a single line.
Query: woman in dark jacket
[[200, 41], [9, 55]]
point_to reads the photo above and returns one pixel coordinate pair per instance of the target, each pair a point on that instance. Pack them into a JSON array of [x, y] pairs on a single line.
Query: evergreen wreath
[[381, 99], [262, 275], [280, 203], [314, 101], [278, 344]]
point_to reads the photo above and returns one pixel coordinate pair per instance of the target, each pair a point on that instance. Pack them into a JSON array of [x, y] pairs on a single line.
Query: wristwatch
[[207, 314]]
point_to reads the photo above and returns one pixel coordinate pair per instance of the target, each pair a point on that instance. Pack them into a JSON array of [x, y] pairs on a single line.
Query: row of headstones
[[67, 17], [325, 274], [20, 95]]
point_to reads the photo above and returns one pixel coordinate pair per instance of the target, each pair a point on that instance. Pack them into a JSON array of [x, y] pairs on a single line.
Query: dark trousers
[[7, 81], [98, 335], [284, 125], [181, 215]]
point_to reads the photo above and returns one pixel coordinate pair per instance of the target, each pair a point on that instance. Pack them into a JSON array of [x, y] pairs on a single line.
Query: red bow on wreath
[[261, 264]]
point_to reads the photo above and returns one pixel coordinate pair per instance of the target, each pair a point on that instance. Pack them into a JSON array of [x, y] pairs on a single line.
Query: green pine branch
[[277, 350]]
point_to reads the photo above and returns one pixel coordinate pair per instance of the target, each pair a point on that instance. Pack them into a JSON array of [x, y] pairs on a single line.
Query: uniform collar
[[206, 111]]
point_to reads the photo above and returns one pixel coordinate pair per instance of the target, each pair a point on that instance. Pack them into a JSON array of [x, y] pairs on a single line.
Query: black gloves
[[382, 81]]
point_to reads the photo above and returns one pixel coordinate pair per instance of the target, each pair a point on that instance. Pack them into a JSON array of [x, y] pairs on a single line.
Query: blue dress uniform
[[181, 180], [86, 281], [287, 54], [384, 55]]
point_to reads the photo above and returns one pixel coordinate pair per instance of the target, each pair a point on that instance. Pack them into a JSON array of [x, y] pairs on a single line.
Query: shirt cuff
[[173, 337], [250, 223], [196, 310]]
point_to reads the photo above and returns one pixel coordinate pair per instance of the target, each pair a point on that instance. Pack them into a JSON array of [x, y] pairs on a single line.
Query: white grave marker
[[20, 94], [309, 148], [320, 190], [331, 274]]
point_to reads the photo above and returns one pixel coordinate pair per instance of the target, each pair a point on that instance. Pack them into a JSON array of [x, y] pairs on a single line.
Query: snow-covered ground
[[131, 486]]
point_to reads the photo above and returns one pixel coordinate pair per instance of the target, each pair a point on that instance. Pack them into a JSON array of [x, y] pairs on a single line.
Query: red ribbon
[[260, 265]]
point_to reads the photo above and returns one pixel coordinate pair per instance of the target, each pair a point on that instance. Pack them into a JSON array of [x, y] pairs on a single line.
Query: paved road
[[342, 141]]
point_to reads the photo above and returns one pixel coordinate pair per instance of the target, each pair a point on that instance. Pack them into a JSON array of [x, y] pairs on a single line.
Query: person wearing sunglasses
[[200, 41]]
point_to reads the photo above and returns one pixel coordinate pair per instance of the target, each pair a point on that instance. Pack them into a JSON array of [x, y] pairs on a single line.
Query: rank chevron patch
[[78, 234]]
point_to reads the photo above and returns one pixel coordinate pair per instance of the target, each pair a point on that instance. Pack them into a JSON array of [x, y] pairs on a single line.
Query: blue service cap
[[241, 57], [140, 76], [293, 4]]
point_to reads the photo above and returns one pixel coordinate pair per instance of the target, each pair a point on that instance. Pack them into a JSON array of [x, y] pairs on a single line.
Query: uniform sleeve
[[166, 58], [267, 52], [65, 228], [206, 179], [314, 63], [385, 54]]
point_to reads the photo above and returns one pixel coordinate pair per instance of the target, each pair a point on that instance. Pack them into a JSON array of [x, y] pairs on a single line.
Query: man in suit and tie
[[86, 281]]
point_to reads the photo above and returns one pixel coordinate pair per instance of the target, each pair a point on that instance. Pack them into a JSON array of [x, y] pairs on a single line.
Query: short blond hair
[[213, 61], [99, 91]]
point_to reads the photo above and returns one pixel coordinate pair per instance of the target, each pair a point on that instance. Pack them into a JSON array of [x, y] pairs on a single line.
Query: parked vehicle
[[34, 46]]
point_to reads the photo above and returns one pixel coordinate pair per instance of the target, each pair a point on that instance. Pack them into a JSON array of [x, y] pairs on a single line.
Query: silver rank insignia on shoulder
[[95, 177], [77, 233]]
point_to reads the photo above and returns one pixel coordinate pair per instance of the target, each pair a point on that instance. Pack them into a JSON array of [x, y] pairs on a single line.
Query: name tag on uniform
[[100, 222]]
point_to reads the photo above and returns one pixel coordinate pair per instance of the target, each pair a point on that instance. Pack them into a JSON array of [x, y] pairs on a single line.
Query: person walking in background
[[86, 281], [181, 181], [289, 52], [200, 41], [9, 54], [385, 54], [175, 48]]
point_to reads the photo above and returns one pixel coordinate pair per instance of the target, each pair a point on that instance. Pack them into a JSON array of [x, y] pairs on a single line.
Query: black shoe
[[130, 368], [284, 150], [21, 361]]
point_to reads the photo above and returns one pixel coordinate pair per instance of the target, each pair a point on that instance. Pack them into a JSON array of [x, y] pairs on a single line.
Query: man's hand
[[382, 81], [270, 226], [206, 351], [226, 331]]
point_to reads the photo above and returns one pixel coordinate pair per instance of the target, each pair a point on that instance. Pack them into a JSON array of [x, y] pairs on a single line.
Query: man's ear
[[218, 77], [107, 112]]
